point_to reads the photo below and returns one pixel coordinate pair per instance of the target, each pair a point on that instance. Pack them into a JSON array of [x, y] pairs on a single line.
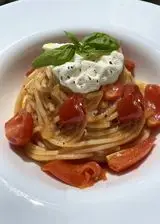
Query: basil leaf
[[57, 56], [90, 53], [73, 39], [101, 41], [93, 54]]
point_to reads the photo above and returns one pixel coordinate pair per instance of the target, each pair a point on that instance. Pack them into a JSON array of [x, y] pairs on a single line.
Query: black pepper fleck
[[68, 67], [97, 81], [68, 77], [110, 63], [80, 69], [89, 78], [71, 67]]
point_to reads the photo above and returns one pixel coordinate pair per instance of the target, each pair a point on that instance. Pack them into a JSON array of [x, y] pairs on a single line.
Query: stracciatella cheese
[[84, 76]]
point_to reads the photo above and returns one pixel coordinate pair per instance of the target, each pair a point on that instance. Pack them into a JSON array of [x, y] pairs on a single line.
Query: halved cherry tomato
[[19, 128], [129, 109], [29, 72], [131, 105], [152, 105], [126, 158], [152, 97], [135, 91], [113, 91], [72, 110], [130, 65], [75, 174], [132, 89]]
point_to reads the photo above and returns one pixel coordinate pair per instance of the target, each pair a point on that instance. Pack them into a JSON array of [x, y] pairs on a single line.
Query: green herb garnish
[[57, 56], [101, 41], [91, 47], [73, 39]]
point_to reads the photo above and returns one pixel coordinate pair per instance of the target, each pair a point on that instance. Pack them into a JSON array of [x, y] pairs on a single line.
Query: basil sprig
[[98, 44], [57, 56], [91, 47], [101, 41]]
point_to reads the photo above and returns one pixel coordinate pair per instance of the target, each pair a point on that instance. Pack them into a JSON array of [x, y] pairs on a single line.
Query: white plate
[[27, 195]]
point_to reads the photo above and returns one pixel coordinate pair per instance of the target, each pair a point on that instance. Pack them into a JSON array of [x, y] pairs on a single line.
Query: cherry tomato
[[19, 128], [131, 105], [120, 161], [72, 110], [152, 97], [113, 92], [129, 109], [152, 105], [132, 89], [129, 65], [75, 174]]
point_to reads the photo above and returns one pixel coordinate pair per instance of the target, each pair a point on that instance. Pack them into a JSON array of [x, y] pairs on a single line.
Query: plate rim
[[17, 3]]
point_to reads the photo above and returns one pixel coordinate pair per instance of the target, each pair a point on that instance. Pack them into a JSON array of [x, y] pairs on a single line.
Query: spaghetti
[[41, 96]]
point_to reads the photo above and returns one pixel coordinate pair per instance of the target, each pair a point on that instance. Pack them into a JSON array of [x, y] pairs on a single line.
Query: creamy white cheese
[[84, 76]]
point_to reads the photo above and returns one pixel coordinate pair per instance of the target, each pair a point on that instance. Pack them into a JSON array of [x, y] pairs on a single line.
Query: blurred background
[[2, 2]]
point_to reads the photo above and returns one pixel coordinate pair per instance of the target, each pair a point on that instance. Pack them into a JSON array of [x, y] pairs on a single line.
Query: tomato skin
[[131, 105], [19, 128], [152, 96], [152, 105], [113, 92], [129, 110], [78, 174], [132, 89], [130, 65], [72, 110], [121, 161]]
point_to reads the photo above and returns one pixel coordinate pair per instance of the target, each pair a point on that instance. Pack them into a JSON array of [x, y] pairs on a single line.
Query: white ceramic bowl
[[25, 175]]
